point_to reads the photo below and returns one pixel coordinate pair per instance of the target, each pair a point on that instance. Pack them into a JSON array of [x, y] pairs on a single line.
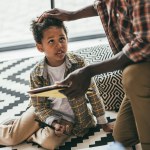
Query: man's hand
[[78, 81], [56, 13]]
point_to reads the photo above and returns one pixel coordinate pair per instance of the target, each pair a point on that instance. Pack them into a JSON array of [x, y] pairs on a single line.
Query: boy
[[66, 116]]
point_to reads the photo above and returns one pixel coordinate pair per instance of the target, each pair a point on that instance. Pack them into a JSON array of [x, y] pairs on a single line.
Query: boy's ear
[[39, 47]]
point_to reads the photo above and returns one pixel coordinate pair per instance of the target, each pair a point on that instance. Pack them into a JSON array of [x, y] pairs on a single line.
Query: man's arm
[[65, 15], [80, 79], [85, 12], [135, 51], [117, 62]]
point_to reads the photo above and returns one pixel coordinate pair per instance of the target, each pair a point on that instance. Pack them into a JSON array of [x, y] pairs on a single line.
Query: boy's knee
[[47, 143], [49, 146], [12, 141]]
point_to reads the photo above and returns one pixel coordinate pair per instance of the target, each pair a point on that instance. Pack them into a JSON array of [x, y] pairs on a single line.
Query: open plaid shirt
[[83, 116], [127, 26]]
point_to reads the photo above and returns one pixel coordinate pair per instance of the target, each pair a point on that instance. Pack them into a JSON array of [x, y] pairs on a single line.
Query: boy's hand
[[108, 127], [60, 129]]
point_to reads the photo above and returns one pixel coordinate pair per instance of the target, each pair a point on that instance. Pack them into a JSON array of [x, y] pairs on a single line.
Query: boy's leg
[[20, 130], [137, 88], [47, 138]]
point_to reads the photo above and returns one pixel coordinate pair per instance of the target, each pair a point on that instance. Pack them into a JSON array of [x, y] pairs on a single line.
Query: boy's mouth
[[60, 53]]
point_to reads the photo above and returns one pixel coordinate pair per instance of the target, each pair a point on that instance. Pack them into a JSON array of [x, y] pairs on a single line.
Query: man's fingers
[[52, 11], [44, 15], [74, 94], [66, 81], [66, 91], [71, 93]]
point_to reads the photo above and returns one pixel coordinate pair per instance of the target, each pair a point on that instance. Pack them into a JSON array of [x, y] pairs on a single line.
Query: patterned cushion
[[109, 84]]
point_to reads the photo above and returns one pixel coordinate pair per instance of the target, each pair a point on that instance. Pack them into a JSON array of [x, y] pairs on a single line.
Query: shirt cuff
[[102, 120], [50, 119], [126, 49], [133, 56]]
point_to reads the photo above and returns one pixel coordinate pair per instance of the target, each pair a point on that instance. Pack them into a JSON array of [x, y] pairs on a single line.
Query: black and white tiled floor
[[14, 76]]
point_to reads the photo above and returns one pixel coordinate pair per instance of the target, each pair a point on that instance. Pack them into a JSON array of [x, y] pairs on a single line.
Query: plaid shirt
[[83, 116], [127, 26]]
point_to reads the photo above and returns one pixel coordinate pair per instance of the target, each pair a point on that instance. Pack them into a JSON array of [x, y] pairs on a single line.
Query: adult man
[[127, 26]]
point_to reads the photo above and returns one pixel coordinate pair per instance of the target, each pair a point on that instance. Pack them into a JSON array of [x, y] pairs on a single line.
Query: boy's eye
[[50, 41], [62, 39]]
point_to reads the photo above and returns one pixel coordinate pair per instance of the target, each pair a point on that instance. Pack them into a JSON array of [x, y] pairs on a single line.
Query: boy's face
[[54, 45]]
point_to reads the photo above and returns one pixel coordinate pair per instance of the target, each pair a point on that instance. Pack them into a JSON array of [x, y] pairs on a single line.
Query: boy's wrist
[[102, 120], [89, 71], [54, 123]]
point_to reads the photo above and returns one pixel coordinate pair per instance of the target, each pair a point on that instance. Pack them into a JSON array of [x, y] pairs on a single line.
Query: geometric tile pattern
[[109, 84], [14, 77]]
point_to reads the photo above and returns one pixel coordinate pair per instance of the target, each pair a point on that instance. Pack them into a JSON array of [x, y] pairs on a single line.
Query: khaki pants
[[25, 128], [133, 120]]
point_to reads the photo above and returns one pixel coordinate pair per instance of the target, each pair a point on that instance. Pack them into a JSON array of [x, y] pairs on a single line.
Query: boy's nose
[[59, 45]]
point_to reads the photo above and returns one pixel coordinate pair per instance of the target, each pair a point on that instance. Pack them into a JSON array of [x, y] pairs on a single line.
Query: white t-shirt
[[60, 105]]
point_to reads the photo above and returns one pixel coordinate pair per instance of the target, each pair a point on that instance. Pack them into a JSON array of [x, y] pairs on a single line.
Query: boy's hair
[[38, 28]]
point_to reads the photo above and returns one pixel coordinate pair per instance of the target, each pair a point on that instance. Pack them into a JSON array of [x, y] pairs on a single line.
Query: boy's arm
[[41, 104], [97, 104], [95, 100]]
